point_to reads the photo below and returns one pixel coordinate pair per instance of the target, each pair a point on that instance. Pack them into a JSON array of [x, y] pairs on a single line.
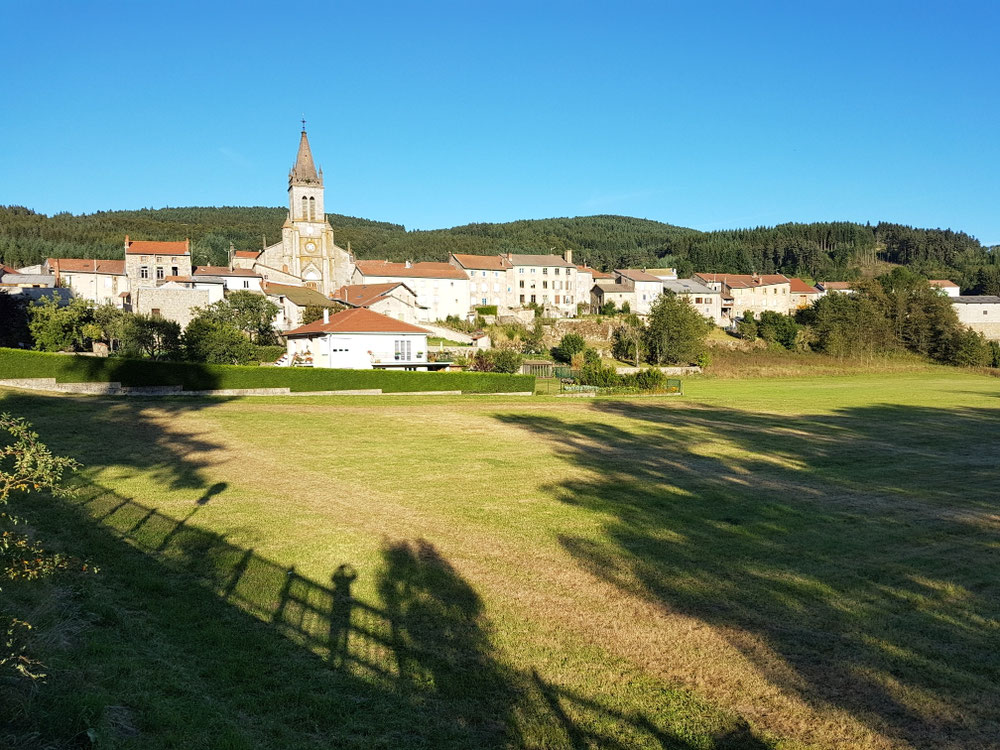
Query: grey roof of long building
[[42, 279], [974, 299], [686, 286]]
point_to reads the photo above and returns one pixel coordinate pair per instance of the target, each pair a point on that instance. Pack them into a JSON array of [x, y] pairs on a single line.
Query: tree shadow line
[[858, 547], [418, 671]]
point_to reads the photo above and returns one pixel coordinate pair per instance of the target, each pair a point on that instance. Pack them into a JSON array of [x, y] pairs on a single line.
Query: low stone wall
[[690, 370], [50, 385]]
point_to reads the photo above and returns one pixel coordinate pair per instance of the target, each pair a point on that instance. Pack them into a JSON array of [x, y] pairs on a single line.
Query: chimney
[[409, 264], [568, 255], [326, 314], [126, 243]]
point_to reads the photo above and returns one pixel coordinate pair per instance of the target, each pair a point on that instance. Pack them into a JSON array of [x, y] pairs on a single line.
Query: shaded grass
[[763, 563]]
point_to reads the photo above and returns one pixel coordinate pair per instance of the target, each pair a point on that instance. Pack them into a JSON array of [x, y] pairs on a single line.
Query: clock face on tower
[[310, 246]]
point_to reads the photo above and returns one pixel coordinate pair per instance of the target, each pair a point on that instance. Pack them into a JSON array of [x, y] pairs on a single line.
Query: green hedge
[[269, 354], [65, 368]]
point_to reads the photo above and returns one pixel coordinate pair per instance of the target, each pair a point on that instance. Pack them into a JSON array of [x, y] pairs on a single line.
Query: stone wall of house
[[134, 263], [172, 303]]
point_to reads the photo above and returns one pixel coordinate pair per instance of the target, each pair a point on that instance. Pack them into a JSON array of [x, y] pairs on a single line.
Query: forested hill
[[832, 250]]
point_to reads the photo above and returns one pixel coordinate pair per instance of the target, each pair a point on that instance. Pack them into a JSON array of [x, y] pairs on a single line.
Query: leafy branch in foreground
[[26, 465]]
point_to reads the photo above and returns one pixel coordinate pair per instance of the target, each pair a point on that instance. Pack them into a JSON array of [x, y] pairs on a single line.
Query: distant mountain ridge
[[818, 250]]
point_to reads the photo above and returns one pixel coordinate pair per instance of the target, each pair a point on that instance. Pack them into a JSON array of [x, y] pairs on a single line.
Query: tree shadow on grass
[[183, 640], [850, 556]]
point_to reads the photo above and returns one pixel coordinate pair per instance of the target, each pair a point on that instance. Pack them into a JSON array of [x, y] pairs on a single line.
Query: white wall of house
[[981, 313], [363, 351], [489, 287], [439, 297], [96, 287]]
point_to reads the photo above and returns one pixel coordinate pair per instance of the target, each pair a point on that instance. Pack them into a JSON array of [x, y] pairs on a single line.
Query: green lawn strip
[[192, 376]]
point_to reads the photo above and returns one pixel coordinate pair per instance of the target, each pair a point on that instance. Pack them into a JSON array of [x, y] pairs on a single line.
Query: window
[[557, 299], [173, 271], [522, 299], [402, 350], [484, 274], [155, 312], [305, 207], [532, 297], [144, 272], [545, 271], [520, 270], [522, 283], [557, 272], [246, 283], [312, 208], [484, 300], [545, 285], [159, 273]]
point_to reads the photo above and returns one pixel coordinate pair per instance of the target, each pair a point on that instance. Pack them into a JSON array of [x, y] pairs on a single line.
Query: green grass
[[438, 341], [795, 562]]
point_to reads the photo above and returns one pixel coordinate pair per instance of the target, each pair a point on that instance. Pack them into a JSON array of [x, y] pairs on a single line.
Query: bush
[[776, 328], [497, 360], [970, 349], [210, 340], [746, 327], [608, 308], [192, 376], [269, 354], [571, 343], [591, 357], [486, 310], [59, 328], [675, 331]]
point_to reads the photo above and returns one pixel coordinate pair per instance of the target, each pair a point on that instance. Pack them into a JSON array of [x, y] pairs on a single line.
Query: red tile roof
[[87, 265], [744, 281], [363, 295], [357, 320], [148, 247], [836, 285], [224, 271], [594, 272], [246, 254], [798, 286], [413, 270], [634, 274], [943, 283], [482, 262]]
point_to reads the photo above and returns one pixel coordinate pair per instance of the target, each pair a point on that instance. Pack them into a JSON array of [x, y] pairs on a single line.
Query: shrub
[[497, 360], [570, 344], [59, 328], [746, 327], [207, 339], [269, 354], [486, 310], [970, 349], [591, 357], [675, 332], [608, 308]]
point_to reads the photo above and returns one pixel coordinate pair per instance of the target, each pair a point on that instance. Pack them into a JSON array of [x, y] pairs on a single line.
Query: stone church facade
[[306, 254]]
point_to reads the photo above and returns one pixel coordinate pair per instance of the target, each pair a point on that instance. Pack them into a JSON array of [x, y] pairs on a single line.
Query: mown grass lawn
[[809, 562]]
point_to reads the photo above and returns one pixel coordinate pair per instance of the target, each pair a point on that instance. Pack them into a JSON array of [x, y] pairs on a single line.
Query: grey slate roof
[[636, 275], [974, 299], [686, 286]]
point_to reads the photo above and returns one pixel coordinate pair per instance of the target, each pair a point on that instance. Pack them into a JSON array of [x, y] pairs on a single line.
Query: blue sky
[[709, 115]]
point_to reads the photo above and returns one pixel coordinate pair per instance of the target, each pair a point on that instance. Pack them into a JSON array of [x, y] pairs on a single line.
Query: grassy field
[[769, 563]]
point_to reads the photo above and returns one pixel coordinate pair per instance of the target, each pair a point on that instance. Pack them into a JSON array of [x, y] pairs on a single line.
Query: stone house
[[608, 291], [234, 279], [980, 313], [546, 280], [647, 288], [147, 264], [803, 295], [756, 293]]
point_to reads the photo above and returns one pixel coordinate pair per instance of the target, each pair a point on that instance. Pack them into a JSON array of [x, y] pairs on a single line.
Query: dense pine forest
[[826, 250]]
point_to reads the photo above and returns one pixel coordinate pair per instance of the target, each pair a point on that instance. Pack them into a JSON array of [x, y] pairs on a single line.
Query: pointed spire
[[304, 171]]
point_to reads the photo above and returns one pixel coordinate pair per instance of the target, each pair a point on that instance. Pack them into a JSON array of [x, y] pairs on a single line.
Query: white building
[[394, 300], [980, 313], [490, 282], [441, 288], [100, 281], [949, 288], [546, 280], [701, 297], [647, 288], [235, 279], [359, 339]]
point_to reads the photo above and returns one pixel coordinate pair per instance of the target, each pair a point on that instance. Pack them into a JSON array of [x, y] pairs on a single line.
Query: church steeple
[[304, 171]]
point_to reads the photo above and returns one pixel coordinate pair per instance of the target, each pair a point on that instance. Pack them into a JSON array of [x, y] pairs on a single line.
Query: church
[[307, 254]]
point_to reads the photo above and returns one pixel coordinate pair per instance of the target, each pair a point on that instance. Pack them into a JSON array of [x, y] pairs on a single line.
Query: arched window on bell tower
[[305, 207], [312, 208]]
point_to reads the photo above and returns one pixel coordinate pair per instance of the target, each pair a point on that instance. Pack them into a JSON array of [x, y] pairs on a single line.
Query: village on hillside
[[406, 302]]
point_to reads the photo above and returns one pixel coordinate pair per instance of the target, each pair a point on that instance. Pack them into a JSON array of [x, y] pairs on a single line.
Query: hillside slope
[[818, 250]]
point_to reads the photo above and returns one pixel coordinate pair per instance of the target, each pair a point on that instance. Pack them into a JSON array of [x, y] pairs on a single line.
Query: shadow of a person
[[340, 613]]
